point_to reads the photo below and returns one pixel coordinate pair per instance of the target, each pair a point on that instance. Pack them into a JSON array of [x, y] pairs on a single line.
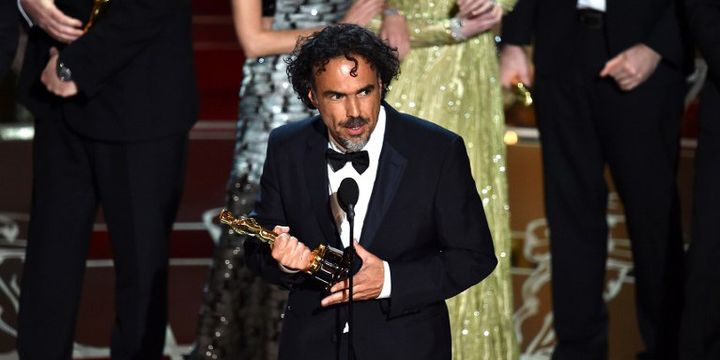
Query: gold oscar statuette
[[97, 9], [522, 93], [327, 264]]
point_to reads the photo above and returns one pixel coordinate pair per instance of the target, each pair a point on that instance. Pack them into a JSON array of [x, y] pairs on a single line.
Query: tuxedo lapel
[[316, 180], [390, 172]]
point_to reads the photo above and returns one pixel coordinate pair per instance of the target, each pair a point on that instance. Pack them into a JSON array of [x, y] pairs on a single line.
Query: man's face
[[349, 105]]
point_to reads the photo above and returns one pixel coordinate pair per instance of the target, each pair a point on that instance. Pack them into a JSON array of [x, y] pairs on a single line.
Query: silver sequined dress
[[267, 99], [240, 316]]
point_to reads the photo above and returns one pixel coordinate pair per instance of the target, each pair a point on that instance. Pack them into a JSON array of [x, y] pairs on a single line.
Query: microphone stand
[[351, 253]]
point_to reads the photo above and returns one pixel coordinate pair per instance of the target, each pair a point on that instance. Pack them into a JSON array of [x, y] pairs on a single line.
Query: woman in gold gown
[[454, 82]]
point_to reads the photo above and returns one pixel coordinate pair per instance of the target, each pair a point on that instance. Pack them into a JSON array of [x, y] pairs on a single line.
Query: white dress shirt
[[365, 182], [24, 14], [598, 5]]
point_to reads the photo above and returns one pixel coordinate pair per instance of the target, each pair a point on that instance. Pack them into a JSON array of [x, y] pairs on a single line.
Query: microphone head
[[348, 193]]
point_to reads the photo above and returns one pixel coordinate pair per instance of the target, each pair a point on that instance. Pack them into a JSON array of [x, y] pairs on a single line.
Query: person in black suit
[[609, 87], [422, 232], [112, 107], [700, 331], [8, 35]]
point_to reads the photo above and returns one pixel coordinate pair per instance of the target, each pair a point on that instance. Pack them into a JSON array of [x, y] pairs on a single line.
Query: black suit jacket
[[704, 23], [8, 34], [134, 70], [551, 24], [425, 219]]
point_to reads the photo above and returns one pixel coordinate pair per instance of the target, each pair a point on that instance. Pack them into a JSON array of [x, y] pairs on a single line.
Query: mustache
[[354, 122]]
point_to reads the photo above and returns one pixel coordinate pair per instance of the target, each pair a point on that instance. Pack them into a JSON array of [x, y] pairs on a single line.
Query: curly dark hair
[[312, 53]]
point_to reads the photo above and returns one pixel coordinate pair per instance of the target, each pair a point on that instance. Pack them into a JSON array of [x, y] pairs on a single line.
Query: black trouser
[[138, 186], [587, 122], [700, 336]]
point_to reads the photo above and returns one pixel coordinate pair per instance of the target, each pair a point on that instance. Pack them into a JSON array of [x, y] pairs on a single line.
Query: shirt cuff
[[24, 14], [387, 283], [286, 270]]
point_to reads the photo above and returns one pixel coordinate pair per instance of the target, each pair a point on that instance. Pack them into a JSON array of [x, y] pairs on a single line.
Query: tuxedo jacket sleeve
[[269, 213], [8, 34], [656, 24], [517, 26], [123, 30], [465, 254], [704, 23]]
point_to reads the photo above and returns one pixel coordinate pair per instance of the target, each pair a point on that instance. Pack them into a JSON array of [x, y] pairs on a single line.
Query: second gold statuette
[[97, 9]]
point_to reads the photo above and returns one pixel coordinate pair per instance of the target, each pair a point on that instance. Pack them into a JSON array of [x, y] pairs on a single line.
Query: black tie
[[360, 160]]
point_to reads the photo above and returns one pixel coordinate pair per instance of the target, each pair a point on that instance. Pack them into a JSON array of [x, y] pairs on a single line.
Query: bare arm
[[255, 34], [475, 8], [424, 32], [258, 39], [394, 31]]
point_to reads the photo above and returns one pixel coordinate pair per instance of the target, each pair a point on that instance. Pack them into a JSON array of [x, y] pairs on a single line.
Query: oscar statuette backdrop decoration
[[97, 9], [327, 264]]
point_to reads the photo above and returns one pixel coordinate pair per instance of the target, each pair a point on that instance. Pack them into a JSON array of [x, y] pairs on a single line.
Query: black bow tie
[[360, 160]]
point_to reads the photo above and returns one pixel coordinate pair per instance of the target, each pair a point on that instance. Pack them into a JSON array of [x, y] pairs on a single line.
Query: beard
[[355, 143]]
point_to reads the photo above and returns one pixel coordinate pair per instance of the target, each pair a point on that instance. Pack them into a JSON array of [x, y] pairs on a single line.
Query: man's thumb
[[360, 250]]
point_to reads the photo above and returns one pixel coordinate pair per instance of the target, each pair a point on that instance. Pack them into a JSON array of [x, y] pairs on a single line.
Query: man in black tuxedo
[[609, 86], [113, 107], [422, 231], [8, 35], [700, 334]]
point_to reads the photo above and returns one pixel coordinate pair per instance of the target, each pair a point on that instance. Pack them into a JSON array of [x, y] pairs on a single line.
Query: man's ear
[[311, 96]]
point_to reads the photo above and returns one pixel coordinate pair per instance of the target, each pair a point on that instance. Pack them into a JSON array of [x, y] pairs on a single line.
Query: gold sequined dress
[[456, 85]]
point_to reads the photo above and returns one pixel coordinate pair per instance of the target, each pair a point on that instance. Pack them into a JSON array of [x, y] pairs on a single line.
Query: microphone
[[347, 196]]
